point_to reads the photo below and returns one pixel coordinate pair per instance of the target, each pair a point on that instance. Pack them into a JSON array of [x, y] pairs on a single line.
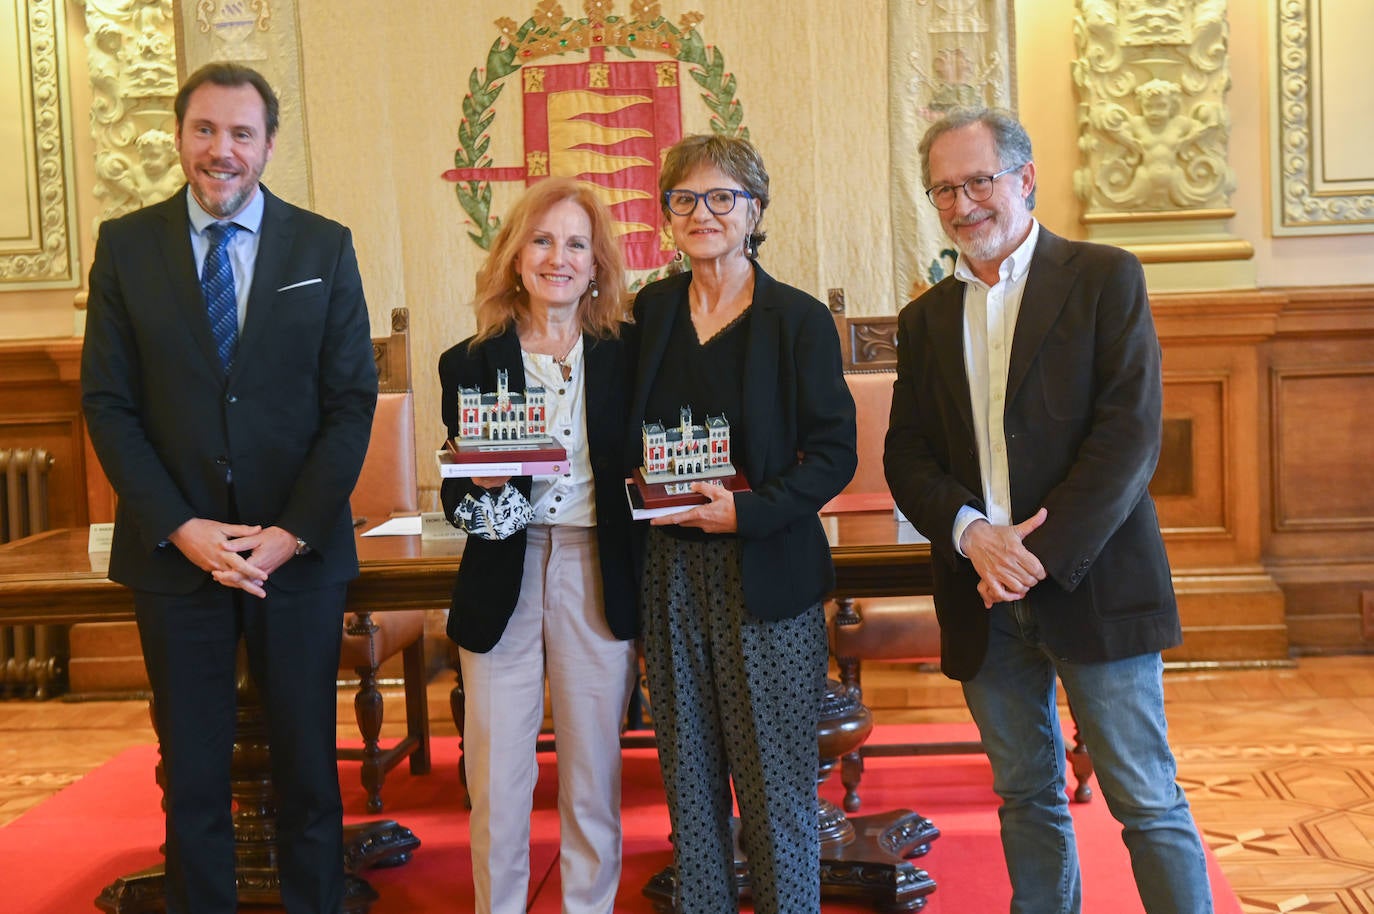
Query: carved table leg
[[864, 858], [1080, 762], [1082, 765], [457, 706]]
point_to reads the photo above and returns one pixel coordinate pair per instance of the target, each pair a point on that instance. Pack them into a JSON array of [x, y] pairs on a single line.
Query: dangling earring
[[592, 285], [678, 257]]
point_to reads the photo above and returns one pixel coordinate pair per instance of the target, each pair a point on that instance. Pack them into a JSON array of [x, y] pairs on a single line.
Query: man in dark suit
[[231, 413], [1024, 432]]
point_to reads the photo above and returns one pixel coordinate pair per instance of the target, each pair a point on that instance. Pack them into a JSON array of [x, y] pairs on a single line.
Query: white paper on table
[[397, 526], [100, 538]]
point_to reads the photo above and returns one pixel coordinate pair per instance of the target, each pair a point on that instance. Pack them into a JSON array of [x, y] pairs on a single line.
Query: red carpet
[[60, 855]]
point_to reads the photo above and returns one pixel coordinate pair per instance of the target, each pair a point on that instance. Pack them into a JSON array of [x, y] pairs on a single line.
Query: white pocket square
[[303, 282]]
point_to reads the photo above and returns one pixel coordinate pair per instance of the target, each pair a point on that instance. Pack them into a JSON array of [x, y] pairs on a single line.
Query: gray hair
[[1009, 137], [734, 156]]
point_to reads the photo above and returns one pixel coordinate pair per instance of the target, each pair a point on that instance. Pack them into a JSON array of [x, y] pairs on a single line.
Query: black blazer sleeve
[[810, 452], [1101, 374], [488, 581]]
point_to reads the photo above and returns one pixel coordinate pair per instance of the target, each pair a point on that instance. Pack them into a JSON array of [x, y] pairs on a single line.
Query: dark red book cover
[[505, 452], [657, 495]]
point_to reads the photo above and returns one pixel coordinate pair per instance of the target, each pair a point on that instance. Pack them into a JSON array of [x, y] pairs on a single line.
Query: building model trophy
[[502, 434], [675, 457]]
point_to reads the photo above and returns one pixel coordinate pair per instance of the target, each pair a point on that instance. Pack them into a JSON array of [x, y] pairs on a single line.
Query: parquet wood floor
[[1278, 764]]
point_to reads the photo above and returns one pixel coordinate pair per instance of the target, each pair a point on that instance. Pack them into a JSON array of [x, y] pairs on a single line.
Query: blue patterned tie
[[217, 281]]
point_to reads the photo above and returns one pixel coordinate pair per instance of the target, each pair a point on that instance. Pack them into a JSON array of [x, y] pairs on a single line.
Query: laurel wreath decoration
[[485, 85]]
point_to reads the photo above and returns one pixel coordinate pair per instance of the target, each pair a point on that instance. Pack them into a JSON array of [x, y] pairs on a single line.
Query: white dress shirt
[[243, 248], [990, 314]]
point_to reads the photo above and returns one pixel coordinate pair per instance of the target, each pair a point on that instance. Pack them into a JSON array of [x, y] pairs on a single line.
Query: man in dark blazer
[[233, 454], [1025, 429]]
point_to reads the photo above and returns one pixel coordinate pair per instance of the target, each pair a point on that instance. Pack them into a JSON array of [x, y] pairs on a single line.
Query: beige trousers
[[559, 629]]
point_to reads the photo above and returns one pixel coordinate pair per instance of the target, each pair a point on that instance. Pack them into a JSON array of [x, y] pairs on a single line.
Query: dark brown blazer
[[798, 435], [1082, 422], [488, 582]]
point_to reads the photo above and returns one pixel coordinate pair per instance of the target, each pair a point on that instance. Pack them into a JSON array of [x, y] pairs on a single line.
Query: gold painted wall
[[384, 84], [49, 313], [1044, 36]]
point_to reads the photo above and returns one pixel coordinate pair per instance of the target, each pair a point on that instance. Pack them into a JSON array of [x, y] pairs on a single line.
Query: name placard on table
[[100, 538]]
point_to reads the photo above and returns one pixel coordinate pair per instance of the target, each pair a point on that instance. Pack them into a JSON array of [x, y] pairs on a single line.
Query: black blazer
[[1082, 422], [488, 582], [798, 435], [292, 419]]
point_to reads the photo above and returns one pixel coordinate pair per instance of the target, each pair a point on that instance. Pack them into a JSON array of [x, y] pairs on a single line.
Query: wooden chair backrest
[[867, 343], [868, 346], [388, 482]]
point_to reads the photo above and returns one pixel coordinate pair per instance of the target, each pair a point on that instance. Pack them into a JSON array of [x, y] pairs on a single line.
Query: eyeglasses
[[977, 188], [719, 200]]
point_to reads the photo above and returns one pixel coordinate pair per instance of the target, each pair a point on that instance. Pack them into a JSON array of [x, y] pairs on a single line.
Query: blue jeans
[[1119, 706]]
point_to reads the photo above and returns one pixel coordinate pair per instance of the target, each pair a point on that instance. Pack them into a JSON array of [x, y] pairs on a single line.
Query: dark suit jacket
[[797, 435], [1082, 421], [292, 419], [489, 576]]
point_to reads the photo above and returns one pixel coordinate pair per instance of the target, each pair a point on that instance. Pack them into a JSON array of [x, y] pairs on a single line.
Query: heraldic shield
[[607, 123]]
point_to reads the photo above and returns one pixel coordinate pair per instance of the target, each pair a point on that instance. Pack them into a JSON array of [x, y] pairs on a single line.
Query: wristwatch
[[302, 547]]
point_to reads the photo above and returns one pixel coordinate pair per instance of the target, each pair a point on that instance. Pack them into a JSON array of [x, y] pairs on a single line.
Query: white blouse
[[568, 499]]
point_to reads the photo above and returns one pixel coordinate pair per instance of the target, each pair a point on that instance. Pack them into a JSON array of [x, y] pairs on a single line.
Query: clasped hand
[[236, 555], [1006, 568]]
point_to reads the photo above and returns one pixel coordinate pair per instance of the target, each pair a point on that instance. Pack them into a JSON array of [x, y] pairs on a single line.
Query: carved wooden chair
[[387, 485], [888, 629]]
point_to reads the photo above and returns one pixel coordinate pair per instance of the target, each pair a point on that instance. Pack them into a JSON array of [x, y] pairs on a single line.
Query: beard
[[223, 200], [228, 206], [997, 236]]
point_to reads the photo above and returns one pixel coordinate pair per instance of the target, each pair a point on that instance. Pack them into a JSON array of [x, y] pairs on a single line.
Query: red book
[[676, 493], [502, 458]]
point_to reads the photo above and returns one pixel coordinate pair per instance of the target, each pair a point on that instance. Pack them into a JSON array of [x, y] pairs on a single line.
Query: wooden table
[[51, 578]]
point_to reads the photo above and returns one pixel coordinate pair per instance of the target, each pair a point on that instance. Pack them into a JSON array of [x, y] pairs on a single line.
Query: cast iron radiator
[[33, 658]]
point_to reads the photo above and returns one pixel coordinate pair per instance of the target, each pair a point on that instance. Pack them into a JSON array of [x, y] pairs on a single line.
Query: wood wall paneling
[[1318, 525], [40, 406], [1320, 417], [1213, 349], [1190, 483]]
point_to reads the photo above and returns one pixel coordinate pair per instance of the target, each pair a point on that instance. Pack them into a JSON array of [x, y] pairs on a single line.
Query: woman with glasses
[[546, 586], [734, 634]]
